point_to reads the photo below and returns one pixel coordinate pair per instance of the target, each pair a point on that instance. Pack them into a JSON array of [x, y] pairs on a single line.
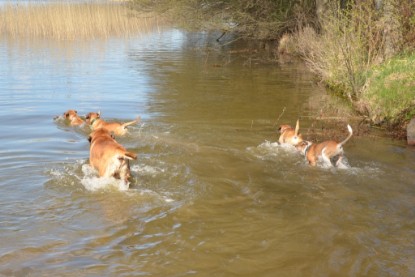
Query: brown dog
[[119, 129], [74, 119], [325, 150], [110, 158], [290, 135]]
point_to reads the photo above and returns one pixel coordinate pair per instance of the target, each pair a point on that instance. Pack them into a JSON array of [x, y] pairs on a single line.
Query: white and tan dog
[[96, 122], [289, 135], [326, 150], [109, 157], [74, 119]]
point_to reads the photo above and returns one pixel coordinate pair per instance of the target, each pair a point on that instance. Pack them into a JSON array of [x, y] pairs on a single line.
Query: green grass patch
[[389, 94]]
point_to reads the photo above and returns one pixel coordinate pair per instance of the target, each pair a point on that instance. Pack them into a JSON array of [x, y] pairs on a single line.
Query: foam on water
[[269, 149], [267, 145], [92, 182], [81, 173]]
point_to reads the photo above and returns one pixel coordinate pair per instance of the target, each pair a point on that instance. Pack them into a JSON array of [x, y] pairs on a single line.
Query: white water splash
[[267, 150], [273, 151], [267, 145], [92, 182]]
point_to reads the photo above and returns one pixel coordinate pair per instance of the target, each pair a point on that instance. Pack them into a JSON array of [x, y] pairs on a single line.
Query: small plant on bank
[[390, 91]]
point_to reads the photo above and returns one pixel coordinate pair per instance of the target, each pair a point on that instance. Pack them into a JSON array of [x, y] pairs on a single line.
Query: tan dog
[[109, 157], [290, 135], [325, 150], [119, 129], [74, 119]]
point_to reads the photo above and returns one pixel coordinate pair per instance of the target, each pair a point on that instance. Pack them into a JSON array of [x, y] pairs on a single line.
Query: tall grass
[[68, 21], [350, 43], [349, 55]]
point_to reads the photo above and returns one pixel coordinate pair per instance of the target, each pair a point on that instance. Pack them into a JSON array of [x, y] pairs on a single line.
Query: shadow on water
[[211, 192]]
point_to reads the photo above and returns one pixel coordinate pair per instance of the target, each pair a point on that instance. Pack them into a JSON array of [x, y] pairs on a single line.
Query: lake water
[[211, 194]]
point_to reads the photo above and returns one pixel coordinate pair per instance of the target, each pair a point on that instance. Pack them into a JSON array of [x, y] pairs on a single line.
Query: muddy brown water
[[211, 192]]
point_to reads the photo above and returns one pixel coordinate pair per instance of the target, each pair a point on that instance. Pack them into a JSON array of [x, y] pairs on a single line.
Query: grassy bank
[[350, 55], [389, 93], [68, 21]]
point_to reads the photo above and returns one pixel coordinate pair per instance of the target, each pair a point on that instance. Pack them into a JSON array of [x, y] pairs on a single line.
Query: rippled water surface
[[211, 194]]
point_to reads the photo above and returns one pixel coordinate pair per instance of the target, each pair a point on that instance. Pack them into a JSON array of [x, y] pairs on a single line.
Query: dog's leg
[[340, 163], [312, 162], [124, 185], [326, 159]]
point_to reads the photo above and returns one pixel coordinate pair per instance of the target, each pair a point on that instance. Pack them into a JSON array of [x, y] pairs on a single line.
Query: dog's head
[[69, 114], [284, 128], [292, 136], [91, 117], [296, 139], [100, 133], [303, 146]]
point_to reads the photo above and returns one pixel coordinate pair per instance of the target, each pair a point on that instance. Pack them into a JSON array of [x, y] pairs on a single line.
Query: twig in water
[[232, 41], [278, 119], [139, 129], [221, 36]]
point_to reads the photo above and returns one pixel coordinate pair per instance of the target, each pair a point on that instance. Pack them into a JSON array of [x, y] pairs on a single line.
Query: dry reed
[[69, 21]]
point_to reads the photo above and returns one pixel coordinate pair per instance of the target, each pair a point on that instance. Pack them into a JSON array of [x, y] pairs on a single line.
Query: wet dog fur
[[109, 157], [96, 122], [289, 135], [73, 118], [327, 150]]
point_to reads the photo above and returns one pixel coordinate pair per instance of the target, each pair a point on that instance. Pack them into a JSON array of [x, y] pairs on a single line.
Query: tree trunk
[[392, 31]]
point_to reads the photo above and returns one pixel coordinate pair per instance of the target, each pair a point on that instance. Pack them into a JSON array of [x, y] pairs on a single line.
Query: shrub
[[255, 19], [349, 43]]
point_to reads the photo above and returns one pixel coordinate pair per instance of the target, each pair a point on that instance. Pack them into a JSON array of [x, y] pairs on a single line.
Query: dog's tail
[[130, 156], [125, 156], [137, 120], [348, 137], [297, 127]]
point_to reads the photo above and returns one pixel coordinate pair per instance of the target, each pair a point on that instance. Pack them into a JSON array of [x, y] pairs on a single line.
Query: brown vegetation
[[364, 54], [349, 44], [257, 19], [68, 21]]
